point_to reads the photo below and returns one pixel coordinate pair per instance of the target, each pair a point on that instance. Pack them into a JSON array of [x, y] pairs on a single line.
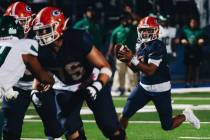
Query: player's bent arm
[[96, 58], [35, 67], [147, 69]]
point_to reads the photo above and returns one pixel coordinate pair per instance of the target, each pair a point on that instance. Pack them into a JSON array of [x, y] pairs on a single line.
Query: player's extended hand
[[11, 94], [35, 98], [43, 87], [91, 91]]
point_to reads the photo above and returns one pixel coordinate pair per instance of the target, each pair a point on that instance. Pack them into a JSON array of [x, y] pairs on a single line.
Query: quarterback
[[154, 84]]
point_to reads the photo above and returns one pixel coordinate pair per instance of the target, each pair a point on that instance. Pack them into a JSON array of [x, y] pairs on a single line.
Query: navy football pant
[[14, 112], [162, 101], [69, 105]]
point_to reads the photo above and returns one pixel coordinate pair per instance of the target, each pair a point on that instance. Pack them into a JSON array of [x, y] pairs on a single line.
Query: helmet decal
[[56, 13], [28, 8]]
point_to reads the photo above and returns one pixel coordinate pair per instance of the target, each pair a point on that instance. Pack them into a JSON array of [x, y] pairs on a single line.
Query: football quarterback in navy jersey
[[71, 56], [155, 82], [14, 109]]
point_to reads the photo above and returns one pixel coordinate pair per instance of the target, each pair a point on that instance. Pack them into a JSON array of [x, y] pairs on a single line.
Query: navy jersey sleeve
[[156, 53], [87, 43]]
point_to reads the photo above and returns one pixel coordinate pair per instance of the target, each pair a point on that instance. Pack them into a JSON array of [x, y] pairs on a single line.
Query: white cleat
[[191, 118]]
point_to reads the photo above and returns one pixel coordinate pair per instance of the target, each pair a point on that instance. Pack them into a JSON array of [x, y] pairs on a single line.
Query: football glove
[[92, 90], [35, 99], [11, 94]]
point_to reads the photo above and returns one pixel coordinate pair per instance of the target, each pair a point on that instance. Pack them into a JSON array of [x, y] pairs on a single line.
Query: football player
[[15, 55], [71, 56], [14, 110], [155, 83], [167, 35], [23, 13]]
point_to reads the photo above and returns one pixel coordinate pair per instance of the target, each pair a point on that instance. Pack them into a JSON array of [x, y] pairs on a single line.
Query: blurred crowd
[[183, 23]]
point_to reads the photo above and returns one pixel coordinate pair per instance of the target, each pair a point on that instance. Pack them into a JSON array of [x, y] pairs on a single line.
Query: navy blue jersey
[[154, 51], [70, 64]]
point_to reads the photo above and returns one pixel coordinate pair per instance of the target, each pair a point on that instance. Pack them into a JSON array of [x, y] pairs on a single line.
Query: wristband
[[107, 71], [98, 85], [135, 61]]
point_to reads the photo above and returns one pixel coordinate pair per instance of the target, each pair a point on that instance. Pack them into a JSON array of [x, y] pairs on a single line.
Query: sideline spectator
[[124, 34], [89, 23], [192, 40]]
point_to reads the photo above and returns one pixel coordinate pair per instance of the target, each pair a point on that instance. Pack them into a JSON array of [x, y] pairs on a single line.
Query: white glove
[[35, 99], [93, 89], [11, 94]]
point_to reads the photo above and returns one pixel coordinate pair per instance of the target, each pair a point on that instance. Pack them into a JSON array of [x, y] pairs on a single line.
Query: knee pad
[[120, 136]]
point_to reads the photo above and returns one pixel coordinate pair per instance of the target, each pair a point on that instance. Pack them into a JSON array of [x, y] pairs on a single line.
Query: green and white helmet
[[9, 26]]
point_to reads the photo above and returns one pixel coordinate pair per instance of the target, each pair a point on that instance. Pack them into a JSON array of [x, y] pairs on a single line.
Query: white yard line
[[195, 138], [151, 108], [177, 91], [148, 108], [174, 98], [187, 90], [33, 139], [38, 139], [190, 98], [141, 122], [132, 122], [189, 138]]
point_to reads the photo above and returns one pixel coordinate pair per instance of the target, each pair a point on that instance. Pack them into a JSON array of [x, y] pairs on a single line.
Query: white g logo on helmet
[[28, 8], [56, 13]]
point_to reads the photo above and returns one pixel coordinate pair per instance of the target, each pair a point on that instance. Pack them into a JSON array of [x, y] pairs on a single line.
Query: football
[[118, 48]]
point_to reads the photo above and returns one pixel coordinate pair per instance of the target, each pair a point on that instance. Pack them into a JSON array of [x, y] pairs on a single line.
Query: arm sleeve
[[156, 55]]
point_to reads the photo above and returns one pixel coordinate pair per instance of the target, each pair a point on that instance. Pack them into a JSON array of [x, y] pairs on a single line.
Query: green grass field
[[143, 125]]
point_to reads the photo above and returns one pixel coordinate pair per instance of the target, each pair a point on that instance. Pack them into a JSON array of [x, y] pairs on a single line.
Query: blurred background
[[104, 16], [184, 28]]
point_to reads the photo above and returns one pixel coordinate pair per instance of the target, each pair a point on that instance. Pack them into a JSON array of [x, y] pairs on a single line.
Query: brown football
[[118, 48]]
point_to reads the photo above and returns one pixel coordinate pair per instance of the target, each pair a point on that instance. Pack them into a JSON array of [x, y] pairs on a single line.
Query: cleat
[[191, 118]]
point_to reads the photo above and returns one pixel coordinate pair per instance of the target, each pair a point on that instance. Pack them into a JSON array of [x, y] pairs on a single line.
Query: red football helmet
[[23, 13], [148, 29], [49, 25]]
